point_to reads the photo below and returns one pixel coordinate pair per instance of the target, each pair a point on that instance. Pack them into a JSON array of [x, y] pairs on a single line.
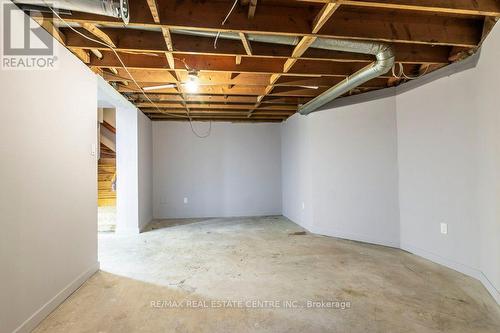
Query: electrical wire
[[224, 21], [132, 78], [402, 74]]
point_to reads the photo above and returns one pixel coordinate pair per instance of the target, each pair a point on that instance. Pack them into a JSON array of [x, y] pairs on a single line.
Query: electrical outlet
[[185, 200], [444, 228], [303, 205]]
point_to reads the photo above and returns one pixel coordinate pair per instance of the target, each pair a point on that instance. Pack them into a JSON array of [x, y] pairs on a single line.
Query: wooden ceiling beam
[[229, 113], [83, 55], [153, 8], [356, 23], [252, 6], [194, 98], [236, 91], [218, 98], [133, 40], [162, 77], [272, 80], [98, 33], [306, 68], [193, 106], [324, 15], [301, 47], [460, 7], [240, 113], [234, 120], [246, 43]]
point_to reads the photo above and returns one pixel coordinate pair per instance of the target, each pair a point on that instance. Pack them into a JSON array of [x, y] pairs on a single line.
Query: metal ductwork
[[383, 53], [383, 64], [113, 8]]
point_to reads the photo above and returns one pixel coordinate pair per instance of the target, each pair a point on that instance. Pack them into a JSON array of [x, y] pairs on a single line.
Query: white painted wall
[[341, 166], [127, 170], [145, 169], [236, 171], [133, 161], [48, 195], [449, 161]]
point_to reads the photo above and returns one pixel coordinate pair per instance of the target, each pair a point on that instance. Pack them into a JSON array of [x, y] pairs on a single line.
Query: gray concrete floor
[[194, 262], [106, 218]]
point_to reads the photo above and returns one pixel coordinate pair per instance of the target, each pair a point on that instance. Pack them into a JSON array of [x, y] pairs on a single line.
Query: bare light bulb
[[193, 83]]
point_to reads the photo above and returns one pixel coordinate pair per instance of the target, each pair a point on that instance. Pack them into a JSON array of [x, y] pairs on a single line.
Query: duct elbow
[[385, 60]]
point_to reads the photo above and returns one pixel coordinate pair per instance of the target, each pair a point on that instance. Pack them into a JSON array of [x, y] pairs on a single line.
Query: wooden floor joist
[[240, 77]]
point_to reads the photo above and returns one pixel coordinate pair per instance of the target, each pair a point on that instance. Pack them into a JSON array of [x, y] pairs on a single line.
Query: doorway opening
[[106, 170]]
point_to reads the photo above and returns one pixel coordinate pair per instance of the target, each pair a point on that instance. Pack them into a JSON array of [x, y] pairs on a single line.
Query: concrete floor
[[195, 262], [106, 218]]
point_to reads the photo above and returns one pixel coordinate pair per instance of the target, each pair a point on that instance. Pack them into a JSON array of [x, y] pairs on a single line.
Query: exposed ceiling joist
[[365, 23], [246, 43], [461, 7], [98, 33], [324, 15], [153, 7], [242, 77], [133, 40]]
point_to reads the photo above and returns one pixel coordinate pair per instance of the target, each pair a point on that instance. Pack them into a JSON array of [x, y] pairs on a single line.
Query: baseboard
[[127, 231], [36, 318], [354, 237], [143, 227], [184, 217], [459, 267]]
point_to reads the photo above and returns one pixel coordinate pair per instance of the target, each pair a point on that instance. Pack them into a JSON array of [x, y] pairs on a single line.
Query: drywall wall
[[145, 169], [296, 171], [233, 172], [48, 195], [133, 161], [449, 161], [127, 170], [340, 173]]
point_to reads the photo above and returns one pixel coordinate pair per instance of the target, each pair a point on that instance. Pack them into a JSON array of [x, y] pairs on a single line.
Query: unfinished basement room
[[213, 166]]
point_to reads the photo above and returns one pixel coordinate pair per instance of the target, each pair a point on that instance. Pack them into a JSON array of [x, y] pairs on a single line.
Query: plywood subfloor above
[[242, 80]]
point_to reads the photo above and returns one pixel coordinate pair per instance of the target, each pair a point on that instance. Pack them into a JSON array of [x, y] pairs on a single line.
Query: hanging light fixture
[[193, 83]]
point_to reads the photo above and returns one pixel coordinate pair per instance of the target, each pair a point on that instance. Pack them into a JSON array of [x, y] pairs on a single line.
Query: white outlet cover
[[303, 205], [444, 228], [185, 200]]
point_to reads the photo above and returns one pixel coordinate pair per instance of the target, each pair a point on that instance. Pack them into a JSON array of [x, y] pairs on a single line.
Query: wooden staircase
[[106, 175]]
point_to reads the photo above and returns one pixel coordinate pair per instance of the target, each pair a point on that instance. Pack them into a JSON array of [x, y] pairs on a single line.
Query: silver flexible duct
[[383, 53], [113, 8], [383, 64]]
